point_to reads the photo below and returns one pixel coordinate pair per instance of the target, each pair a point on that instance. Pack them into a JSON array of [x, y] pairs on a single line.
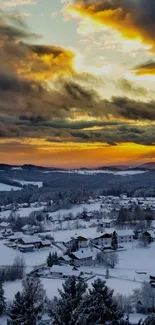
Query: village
[[109, 237], [85, 228]]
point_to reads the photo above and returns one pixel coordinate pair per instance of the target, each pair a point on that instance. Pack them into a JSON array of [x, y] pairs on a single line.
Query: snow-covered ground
[[7, 255], [98, 171], [123, 278], [39, 184], [23, 212], [90, 207], [6, 187]]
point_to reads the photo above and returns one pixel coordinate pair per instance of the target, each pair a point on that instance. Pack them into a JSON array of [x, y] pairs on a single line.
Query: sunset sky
[[77, 82]]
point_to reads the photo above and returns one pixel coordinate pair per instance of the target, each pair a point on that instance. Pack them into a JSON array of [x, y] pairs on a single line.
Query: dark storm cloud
[[115, 135], [134, 110], [11, 83]]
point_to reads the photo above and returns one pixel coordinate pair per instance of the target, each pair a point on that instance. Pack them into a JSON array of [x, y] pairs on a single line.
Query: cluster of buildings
[[25, 243], [110, 203]]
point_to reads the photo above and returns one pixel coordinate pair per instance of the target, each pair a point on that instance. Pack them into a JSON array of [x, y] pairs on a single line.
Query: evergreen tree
[[114, 242], [107, 273], [55, 258], [2, 299], [49, 260], [150, 320], [52, 259], [15, 315], [70, 298], [28, 305], [98, 307]]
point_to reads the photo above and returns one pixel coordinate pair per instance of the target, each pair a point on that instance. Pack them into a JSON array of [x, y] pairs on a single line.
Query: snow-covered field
[[99, 171], [32, 259], [6, 187], [123, 279], [121, 173], [24, 212], [76, 209], [39, 184]]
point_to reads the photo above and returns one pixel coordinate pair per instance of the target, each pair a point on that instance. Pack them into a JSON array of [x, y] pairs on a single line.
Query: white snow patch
[[98, 171], [39, 184], [17, 168], [6, 187], [23, 212]]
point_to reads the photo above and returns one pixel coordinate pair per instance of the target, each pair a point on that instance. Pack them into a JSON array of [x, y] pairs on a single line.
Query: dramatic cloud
[[117, 134], [128, 87], [42, 95], [133, 19], [147, 68]]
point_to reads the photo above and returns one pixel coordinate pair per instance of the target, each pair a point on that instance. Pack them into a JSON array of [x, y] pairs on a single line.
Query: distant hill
[[28, 167], [149, 165], [113, 168]]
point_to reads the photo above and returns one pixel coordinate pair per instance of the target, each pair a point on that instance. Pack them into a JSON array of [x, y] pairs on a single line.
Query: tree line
[[76, 304]]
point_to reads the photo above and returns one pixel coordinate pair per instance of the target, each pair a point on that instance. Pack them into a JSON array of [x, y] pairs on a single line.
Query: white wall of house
[[125, 239], [82, 244], [102, 241], [83, 262], [70, 243]]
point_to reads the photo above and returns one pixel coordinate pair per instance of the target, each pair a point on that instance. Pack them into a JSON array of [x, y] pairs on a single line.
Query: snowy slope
[[100, 171], [6, 187], [39, 184]]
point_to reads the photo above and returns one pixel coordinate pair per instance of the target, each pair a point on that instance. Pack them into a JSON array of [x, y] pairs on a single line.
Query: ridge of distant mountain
[[149, 165], [28, 167], [145, 166]]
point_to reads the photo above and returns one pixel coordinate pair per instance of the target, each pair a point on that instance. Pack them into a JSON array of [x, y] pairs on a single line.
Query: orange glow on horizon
[[74, 155]]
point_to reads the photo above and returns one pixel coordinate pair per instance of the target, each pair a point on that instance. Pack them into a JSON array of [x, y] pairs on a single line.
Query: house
[[16, 237], [82, 257], [76, 242], [65, 259], [82, 242], [103, 239], [105, 223], [29, 229], [45, 243], [31, 240], [149, 235], [125, 236], [35, 241], [65, 271], [71, 243], [26, 248]]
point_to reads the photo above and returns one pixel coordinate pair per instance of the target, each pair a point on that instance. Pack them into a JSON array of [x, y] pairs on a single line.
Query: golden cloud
[[134, 20], [147, 68]]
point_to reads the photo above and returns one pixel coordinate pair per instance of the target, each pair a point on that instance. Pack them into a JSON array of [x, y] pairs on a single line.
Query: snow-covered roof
[[31, 239], [66, 258], [152, 233], [46, 242], [83, 253], [66, 270], [25, 246], [16, 236], [125, 232], [106, 220]]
